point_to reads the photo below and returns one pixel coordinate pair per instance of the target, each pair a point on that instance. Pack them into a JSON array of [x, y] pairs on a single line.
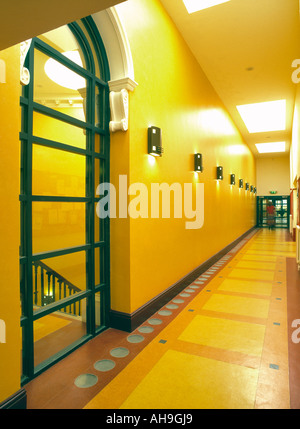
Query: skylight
[[270, 147], [263, 117], [196, 5]]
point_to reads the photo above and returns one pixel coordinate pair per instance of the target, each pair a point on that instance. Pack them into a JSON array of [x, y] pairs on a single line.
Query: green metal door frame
[[86, 33], [273, 198]]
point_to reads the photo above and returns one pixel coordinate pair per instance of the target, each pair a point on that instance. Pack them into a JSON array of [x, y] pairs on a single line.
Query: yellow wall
[[174, 94], [295, 156], [10, 224], [273, 174]]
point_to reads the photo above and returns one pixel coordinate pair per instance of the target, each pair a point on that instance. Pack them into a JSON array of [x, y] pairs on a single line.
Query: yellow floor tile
[[199, 383], [252, 274], [264, 265], [253, 307], [259, 258], [246, 286], [291, 254], [225, 334]]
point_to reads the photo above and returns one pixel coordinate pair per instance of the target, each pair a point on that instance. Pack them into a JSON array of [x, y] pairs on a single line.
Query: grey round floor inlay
[[86, 380], [194, 287], [190, 290], [155, 321], [119, 352], [185, 295], [104, 365], [145, 329], [135, 338], [165, 313], [172, 306], [178, 301]]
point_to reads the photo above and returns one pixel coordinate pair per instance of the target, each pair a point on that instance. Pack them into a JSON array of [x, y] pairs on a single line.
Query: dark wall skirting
[[129, 322], [18, 401]]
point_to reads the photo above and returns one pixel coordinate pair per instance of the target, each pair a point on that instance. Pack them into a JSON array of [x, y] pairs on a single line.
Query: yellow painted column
[[10, 351]]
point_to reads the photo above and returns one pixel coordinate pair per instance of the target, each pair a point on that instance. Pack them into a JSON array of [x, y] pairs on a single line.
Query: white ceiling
[[246, 49]]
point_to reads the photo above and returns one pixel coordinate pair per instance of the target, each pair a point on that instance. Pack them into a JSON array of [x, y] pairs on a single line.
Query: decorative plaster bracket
[[119, 103], [119, 110], [24, 72]]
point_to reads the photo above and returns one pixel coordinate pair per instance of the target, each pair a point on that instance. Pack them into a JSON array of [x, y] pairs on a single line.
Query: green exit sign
[[273, 192]]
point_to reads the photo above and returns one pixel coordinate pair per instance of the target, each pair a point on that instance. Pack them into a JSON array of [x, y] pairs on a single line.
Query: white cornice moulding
[[123, 83]]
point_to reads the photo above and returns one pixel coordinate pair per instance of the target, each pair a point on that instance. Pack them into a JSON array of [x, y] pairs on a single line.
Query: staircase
[[49, 286]]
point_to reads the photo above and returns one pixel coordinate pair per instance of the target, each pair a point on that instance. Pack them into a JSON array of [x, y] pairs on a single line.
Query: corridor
[[225, 342]]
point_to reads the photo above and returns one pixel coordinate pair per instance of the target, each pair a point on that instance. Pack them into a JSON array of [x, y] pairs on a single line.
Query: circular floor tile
[[185, 295], [155, 321], [119, 352], [104, 365], [145, 329], [194, 287], [165, 313], [178, 301], [172, 306], [135, 338], [86, 380], [189, 290]]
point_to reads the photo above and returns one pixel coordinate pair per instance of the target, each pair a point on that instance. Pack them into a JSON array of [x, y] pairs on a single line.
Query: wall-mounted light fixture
[[198, 167], [251, 188], [254, 190], [154, 141], [241, 183], [219, 173], [232, 179], [247, 186]]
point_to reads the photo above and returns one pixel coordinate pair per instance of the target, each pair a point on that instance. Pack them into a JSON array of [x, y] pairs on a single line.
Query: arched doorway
[[64, 249]]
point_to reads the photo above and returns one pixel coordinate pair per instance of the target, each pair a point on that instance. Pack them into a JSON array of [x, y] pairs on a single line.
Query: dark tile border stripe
[[18, 401]]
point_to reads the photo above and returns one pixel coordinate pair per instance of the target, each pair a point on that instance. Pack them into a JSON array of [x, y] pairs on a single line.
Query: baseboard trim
[[129, 322], [18, 401]]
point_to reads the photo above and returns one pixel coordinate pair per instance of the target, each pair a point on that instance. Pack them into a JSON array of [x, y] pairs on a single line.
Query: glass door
[[64, 251], [282, 210]]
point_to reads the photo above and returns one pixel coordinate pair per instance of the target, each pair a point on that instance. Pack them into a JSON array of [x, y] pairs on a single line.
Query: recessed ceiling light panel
[[270, 147], [263, 117], [196, 5]]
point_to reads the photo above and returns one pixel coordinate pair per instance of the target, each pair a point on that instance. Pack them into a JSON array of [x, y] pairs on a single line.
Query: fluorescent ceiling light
[[62, 75], [270, 147], [196, 5], [263, 117]]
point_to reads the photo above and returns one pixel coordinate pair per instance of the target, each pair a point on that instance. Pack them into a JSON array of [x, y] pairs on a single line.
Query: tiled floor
[[224, 342]]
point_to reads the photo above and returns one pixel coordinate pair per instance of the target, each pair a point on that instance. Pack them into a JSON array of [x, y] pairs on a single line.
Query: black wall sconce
[[254, 190], [154, 141], [251, 188], [219, 173], [232, 179], [241, 183], [247, 186], [198, 162]]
